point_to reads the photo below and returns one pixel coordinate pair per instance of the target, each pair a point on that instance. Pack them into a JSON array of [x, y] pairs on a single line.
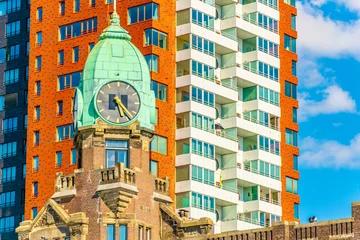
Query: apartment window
[[35, 189], [69, 80], [202, 201], [202, 148], [34, 212], [291, 185], [10, 125], [22, 217], [77, 29], [294, 115], [8, 149], [202, 19], [154, 168], [7, 199], [76, 5], [293, 68], [2, 55], [293, 22], [11, 76], [202, 70], [7, 224], [109, 1], [13, 28], [290, 2], [61, 57], [37, 113], [65, 132], [62, 8], [117, 151], [36, 138], [296, 211], [26, 97], [13, 52], [156, 38], [148, 234], [123, 232], [140, 232], [291, 137], [73, 158], [264, 21], [290, 43], [28, 24], [36, 163], [269, 145], [202, 96], [92, 3], [153, 62], [3, 8], [39, 14], [8, 174], [265, 46], [290, 90], [8, 101], [59, 109], [25, 121], [37, 88], [27, 48], [38, 62], [24, 171], [295, 162], [91, 46], [39, 38], [143, 12], [202, 45], [159, 90], [159, 144], [110, 232], [13, 5], [75, 55], [26, 73], [58, 159]]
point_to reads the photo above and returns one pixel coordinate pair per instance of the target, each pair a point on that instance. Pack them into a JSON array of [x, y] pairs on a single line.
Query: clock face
[[118, 102]]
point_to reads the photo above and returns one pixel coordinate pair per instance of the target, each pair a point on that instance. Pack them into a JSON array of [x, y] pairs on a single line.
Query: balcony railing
[[65, 182], [242, 218], [268, 51], [118, 174], [256, 171], [267, 3], [267, 27], [201, 153], [162, 185], [272, 201], [257, 121], [227, 188]]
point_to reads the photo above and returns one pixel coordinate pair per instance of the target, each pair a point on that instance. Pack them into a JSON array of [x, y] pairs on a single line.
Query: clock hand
[[121, 111], [125, 109]]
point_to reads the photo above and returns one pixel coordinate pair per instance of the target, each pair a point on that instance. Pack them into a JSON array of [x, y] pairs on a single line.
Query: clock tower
[[113, 195]]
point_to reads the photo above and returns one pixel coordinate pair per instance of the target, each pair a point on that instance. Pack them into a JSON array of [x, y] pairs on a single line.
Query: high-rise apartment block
[[14, 52], [224, 77]]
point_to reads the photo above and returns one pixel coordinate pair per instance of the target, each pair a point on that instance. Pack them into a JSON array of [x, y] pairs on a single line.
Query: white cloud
[[320, 36], [337, 124], [313, 74], [330, 153], [333, 100]]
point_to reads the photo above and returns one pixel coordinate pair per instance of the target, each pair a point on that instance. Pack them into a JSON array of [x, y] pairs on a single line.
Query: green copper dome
[[114, 58]]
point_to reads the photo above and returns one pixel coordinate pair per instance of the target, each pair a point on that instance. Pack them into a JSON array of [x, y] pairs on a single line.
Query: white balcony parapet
[[267, 27]]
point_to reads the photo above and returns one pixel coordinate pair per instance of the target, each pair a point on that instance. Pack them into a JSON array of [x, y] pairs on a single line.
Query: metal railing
[[202, 24], [257, 121], [267, 27], [193, 46], [277, 152], [252, 221], [267, 3], [272, 201], [201, 153], [247, 68], [267, 51], [256, 171]]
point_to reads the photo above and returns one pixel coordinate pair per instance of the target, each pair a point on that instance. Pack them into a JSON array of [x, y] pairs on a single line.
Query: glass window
[[58, 159], [38, 63], [78, 28], [296, 163], [39, 38], [159, 144], [76, 5], [155, 37], [62, 8], [117, 151], [293, 68], [69, 80], [7, 199], [39, 14], [13, 5], [61, 57], [291, 137], [293, 22], [154, 168], [290, 43], [35, 188], [73, 158], [291, 185], [290, 2], [34, 212], [60, 108], [110, 232], [10, 125], [294, 115], [153, 62], [290, 90], [7, 224], [123, 235], [65, 132], [13, 28], [75, 54], [36, 163], [8, 149], [159, 90], [8, 174], [3, 8], [91, 46], [143, 12], [2, 55], [296, 211], [11, 76], [13, 52]]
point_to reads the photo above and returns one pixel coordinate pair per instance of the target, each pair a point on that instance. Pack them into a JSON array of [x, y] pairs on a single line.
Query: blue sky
[[329, 70]]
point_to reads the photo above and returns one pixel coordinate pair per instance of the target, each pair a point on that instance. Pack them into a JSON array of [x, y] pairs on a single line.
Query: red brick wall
[[287, 104], [49, 94]]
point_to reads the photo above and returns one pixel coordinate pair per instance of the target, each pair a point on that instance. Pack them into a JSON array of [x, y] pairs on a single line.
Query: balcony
[[161, 190], [65, 186]]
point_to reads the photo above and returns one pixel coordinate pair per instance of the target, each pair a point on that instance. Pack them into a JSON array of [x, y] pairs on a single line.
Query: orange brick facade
[[287, 104], [47, 100]]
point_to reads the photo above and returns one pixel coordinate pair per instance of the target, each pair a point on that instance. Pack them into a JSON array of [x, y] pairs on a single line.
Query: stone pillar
[[356, 215]]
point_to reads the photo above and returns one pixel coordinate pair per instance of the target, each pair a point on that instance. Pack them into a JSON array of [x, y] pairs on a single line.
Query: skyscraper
[[14, 51], [223, 73]]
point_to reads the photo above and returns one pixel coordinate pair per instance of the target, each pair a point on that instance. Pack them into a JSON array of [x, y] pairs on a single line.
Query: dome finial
[[114, 6]]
